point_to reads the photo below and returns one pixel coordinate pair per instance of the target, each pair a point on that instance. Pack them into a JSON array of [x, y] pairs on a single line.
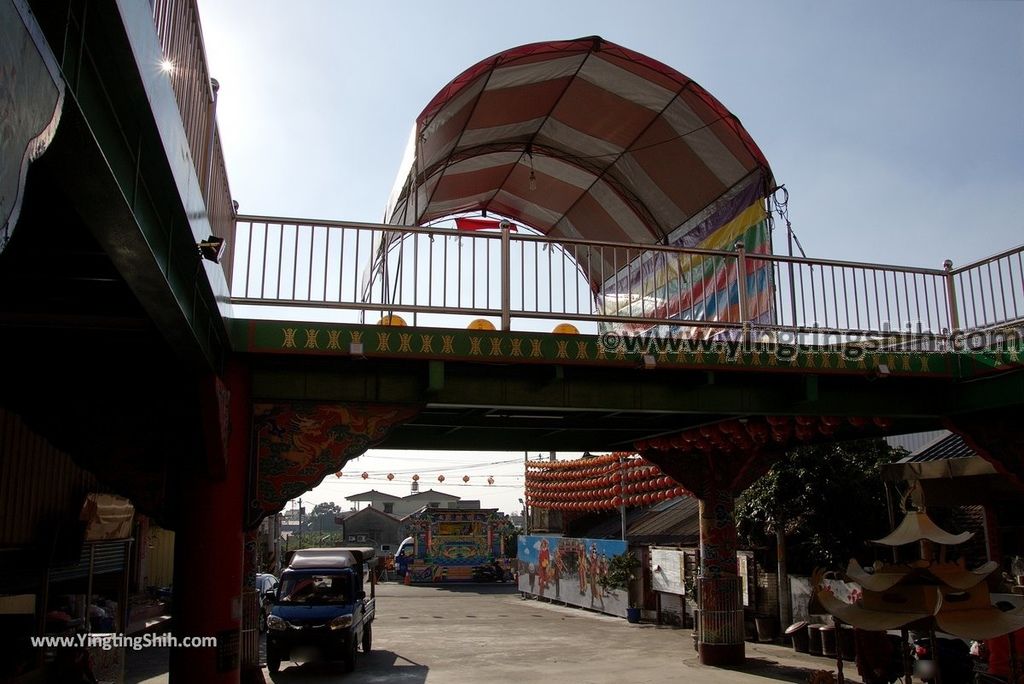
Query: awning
[[580, 139]]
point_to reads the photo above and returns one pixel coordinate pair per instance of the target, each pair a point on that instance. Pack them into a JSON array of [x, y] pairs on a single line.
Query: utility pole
[[300, 521], [526, 512]]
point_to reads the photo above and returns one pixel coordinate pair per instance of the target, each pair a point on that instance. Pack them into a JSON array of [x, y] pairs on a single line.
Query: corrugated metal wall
[[104, 556], [917, 440], [160, 557], [38, 484]]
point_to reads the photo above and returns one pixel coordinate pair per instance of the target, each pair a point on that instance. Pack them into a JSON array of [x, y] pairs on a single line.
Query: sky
[[898, 128]]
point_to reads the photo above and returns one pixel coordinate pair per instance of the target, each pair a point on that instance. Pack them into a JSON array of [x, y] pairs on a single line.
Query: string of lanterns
[[415, 478], [597, 483]]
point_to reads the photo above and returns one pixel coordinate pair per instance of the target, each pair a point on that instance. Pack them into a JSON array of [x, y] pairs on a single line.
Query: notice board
[[667, 570]]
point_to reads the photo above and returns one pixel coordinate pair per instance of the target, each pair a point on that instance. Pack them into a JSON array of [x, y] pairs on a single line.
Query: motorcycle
[[489, 573], [953, 661]]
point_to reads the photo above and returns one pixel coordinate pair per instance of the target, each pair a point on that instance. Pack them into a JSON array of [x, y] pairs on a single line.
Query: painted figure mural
[[571, 570]]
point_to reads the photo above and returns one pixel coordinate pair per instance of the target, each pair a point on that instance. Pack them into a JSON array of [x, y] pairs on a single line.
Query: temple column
[[208, 548], [719, 584], [715, 479]]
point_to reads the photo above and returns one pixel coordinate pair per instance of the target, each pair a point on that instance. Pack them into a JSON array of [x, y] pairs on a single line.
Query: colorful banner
[[693, 287], [570, 570]]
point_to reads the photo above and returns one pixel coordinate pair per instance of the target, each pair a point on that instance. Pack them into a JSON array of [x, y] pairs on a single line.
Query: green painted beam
[[326, 340], [435, 370], [485, 389]]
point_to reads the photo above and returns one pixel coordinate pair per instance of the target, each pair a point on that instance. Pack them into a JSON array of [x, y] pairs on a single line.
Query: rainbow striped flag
[[701, 288]]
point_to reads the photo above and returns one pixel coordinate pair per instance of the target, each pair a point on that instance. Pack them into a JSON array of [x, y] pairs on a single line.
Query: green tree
[[321, 518], [825, 500]]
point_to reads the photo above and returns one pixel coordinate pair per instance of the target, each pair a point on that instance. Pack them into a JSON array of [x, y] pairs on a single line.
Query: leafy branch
[[621, 571]]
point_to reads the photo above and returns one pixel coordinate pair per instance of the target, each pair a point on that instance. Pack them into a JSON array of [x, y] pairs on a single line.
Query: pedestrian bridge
[[504, 341]]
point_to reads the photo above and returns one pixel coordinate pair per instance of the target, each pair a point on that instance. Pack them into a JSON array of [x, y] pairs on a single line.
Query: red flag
[[481, 224]]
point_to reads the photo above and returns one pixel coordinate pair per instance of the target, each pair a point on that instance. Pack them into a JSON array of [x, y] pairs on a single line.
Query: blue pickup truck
[[321, 607]]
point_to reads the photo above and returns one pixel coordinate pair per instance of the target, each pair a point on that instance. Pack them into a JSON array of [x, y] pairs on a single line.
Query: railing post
[[954, 315], [506, 271], [741, 287]]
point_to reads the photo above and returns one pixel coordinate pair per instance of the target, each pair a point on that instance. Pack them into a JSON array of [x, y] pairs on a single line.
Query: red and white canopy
[[580, 138]]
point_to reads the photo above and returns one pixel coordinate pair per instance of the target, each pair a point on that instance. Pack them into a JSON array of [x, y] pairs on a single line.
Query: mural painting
[[570, 570]]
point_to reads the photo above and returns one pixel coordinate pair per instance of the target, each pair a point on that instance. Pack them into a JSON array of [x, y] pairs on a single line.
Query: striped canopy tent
[[581, 139]]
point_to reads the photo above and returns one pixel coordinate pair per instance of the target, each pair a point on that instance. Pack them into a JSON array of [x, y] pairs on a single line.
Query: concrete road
[[462, 634]]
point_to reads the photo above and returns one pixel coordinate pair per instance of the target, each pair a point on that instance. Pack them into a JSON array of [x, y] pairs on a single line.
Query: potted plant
[[622, 571]]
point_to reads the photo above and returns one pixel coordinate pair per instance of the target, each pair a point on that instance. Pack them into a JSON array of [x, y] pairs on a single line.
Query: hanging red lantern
[[490, 480], [337, 474], [415, 478], [391, 476], [365, 475], [440, 478], [465, 478]]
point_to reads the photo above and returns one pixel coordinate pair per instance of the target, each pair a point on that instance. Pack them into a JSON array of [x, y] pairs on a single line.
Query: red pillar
[[721, 608], [715, 479], [208, 544]]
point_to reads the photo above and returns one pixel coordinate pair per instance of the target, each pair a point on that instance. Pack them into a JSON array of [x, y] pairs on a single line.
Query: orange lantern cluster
[[591, 484]]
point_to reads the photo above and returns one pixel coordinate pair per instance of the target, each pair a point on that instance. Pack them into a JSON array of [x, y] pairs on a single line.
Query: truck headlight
[[340, 622], [276, 623]]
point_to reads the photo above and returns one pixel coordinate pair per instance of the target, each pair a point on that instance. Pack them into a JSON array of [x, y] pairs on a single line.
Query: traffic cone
[[408, 578]]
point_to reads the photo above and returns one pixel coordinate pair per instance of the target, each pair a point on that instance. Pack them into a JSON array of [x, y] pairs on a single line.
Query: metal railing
[[988, 293], [829, 296], [181, 42], [360, 267], [250, 629]]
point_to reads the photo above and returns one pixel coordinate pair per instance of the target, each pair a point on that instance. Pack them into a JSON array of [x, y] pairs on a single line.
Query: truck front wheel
[[348, 659], [367, 638], [273, 661]]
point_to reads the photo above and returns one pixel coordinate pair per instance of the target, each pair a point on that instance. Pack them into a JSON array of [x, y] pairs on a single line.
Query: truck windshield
[[317, 588]]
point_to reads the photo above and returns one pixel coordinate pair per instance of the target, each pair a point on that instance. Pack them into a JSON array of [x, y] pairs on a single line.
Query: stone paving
[[461, 634]]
